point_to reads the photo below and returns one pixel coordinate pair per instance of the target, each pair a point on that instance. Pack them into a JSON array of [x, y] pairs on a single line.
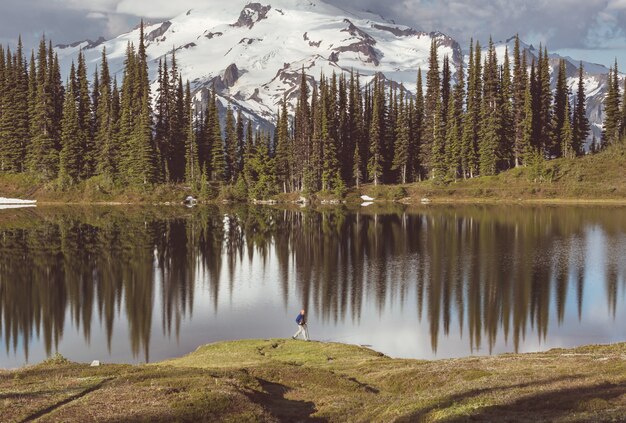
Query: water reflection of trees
[[485, 270]]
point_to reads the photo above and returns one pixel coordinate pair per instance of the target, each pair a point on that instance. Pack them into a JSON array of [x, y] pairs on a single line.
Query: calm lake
[[133, 285]]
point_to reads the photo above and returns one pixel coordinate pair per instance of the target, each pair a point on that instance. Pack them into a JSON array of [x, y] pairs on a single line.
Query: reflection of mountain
[[487, 270]]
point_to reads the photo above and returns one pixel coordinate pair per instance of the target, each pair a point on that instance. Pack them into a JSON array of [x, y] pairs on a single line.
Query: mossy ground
[[290, 381]]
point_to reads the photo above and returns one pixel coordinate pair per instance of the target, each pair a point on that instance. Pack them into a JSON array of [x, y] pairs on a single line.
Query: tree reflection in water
[[488, 270]]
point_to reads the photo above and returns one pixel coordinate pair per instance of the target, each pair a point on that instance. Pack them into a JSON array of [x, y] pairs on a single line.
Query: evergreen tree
[[491, 123], [240, 143], [107, 123], [177, 125], [610, 133], [218, 160], [471, 123], [561, 103], [302, 134], [283, 149], [622, 123], [403, 140], [260, 173], [192, 165], [88, 150], [330, 162], [545, 129], [231, 144], [313, 170], [143, 166], [43, 155], [357, 173], [454, 128], [139, 158], [567, 135], [520, 81], [415, 165], [446, 88], [162, 122], [358, 132], [374, 164], [21, 122], [438, 155], [431, 107], [580, 123], [525, 148], [507, 143], [71, 139], [10, 142]]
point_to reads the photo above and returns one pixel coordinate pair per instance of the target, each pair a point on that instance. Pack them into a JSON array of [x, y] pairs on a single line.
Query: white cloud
[[559, 23], [158, 8], [96, 15]]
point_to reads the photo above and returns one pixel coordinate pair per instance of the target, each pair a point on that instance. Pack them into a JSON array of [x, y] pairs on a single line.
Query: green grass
[[285, 380], [598, 177]]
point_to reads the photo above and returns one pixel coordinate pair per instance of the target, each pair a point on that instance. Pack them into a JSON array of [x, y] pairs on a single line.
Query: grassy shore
[[598, 178], [290, 381]]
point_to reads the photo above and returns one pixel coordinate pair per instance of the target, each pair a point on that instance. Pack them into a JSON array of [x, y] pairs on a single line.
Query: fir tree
[[88, 150], [374, 164], [520, 81], [567, 135], [192, 165], [357, 173], [162, 121], [438, 157], [10, 144], [610, 133], [471, 123], [561, 103], [491, 115], [283, 148], [454, 127], [545, 129], [505, 153], [525, 148], [218, 160], [330, 162], [71, 140], [431, 107], [302, 134], [402, 147], [580, 123], [231, 144], [415, 165], [18, 109], [240, 142], [43, 155]]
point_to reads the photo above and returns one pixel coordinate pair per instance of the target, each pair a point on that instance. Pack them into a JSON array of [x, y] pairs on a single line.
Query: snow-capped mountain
[[253, 53]]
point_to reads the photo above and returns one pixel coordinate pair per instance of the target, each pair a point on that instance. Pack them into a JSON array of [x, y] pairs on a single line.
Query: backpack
[[299, 319]]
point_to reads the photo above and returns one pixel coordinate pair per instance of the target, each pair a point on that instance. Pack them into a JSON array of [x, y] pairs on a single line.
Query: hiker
[[302, 329]]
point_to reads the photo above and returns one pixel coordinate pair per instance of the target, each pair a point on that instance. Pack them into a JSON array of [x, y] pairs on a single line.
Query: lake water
[[132, 285]]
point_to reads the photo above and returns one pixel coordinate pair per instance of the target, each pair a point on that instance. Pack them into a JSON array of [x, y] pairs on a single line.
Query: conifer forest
[[479, 121]]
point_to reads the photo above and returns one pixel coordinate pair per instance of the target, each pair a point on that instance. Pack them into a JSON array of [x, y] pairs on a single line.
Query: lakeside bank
[[285, 380]]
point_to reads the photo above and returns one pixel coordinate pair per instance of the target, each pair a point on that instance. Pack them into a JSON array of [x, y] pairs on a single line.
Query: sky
[[593, 30]]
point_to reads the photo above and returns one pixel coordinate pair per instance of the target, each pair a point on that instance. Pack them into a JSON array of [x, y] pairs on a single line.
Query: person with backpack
[[302, 329]]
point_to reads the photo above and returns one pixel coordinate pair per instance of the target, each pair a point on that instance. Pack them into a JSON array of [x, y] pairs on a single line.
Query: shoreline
[[404, 201], [284, 380]]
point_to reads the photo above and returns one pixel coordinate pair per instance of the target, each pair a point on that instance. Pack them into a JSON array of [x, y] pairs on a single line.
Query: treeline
[[75, 130], [494, 117]]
